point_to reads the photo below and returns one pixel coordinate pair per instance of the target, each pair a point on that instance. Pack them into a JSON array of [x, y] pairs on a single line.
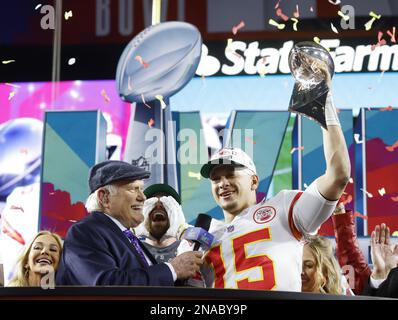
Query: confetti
[[71, 61], [24, 151], [160, 98], [73, 221], [228, 47], [356, 138], [368, 25], [347, 199], [337, 2], [392, 34], [392, 147], [296, 149], [295, 21], [143, 101], [17, 208], [151, 122], [367, 193], [311, 9], [394, 234], [334, 29], [7, 61], [12, 93], [194, 175], [38, 6], [389, 108], [344, 16], [12, 85], [106, 98], [68, 14], [317, 40], [351, 180], [380, 41], [382, 191], [280, 14], [140, 60], [395, 199], [250, 140], [305, 185], [359, 215], [236, 28], [280, 26], [277, 5], [296, 13]]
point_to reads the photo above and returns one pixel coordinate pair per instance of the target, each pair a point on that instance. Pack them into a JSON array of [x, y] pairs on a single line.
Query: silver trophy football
[[312, 66]]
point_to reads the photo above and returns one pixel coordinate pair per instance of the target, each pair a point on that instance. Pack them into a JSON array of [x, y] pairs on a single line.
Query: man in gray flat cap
[[101, 249]]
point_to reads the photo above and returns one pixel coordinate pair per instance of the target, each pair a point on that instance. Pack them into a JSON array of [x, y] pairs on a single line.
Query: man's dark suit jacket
[[388, 288], [96, 252]]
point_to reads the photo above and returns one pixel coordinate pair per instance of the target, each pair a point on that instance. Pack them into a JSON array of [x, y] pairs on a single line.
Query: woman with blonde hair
[[39, 258], [321, 273]]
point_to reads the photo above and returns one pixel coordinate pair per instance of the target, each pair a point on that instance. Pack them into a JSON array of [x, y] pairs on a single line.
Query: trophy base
[[310, 103]]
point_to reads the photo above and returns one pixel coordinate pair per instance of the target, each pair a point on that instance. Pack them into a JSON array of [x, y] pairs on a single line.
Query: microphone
[[199, 234]]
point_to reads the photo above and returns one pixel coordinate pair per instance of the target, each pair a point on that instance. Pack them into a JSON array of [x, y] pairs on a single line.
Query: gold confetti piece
[[106, 98], [375, 15], [262, 70], [38, 6], [228, 47], [143, 101], [392, 35], [295, 21], [12, 85], [68, 14], [160, 98], [140, 60], [12, 93], [351, 180], [296, 149], [7, 61], [192, 174], [344, 16], [151, 122], [382, 191], [280, 26], [356, 138], [368, 25], [395, 234], [334, 29], [317, 40], [236, 28], [367, 193], [71, 61]]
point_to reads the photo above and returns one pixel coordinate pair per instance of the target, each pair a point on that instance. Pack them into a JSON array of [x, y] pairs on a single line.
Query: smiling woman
[[40, 258]]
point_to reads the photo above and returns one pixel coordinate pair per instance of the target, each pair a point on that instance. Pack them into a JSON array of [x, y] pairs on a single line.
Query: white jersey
[[260, 249]]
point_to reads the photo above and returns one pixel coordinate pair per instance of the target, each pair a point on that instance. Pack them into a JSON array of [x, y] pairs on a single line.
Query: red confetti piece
[[389, 108], [392, 35], [140, 60], [296, 13], [23, 150], [393, 147], [143, 101], [250, 140], [106, 98], [151, 122], [357, 214], [380, 41], [346, 199], [281, 15], [296, 149], [236, 28], [395, 199]]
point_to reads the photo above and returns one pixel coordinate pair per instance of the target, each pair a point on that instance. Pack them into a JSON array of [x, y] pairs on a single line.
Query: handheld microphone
[[199, 234]]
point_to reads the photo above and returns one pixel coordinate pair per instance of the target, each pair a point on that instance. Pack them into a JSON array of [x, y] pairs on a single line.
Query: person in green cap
[[164, 220]]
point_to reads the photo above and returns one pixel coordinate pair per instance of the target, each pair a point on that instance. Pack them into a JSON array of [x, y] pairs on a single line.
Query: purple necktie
[[135, 242]]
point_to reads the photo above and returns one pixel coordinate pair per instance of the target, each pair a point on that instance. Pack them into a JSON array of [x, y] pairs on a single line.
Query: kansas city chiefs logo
[[264, 214]]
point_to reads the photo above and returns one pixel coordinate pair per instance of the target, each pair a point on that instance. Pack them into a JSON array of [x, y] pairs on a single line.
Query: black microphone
[[202, 221]]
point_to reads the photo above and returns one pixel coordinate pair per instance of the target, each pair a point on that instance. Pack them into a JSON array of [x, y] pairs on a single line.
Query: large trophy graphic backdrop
[[312, 67], [156, 64]]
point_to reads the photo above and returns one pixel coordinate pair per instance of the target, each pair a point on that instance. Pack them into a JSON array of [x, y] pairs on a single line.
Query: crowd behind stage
[[136, 236]]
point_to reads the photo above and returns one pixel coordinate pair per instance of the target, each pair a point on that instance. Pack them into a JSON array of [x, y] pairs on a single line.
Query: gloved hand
[[176, 215], [149, 204]]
